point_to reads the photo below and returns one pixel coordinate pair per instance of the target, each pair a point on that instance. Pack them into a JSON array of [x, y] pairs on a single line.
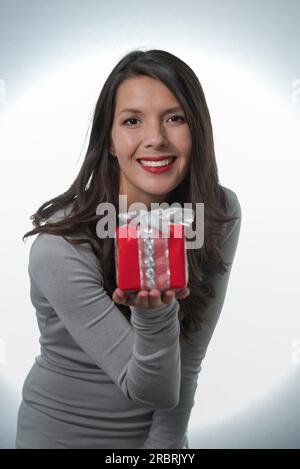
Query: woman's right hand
[[149, 298]]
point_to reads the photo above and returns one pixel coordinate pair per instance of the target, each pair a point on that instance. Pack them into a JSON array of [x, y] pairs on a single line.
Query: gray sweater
[[100, 381]]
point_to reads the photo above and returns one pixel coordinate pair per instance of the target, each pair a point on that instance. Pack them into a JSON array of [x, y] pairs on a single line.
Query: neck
[[125, 202]]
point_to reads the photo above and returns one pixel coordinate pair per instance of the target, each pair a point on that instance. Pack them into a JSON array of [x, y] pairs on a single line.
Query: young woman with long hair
[[116, 371]]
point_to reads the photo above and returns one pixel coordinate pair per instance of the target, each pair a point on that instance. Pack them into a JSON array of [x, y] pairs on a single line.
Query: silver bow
[[159, 219]]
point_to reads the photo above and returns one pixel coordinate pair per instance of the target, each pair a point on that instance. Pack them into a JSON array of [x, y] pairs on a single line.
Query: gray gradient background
[[37, 34]]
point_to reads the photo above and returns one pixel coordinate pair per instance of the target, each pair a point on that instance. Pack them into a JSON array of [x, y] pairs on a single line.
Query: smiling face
[[153, 130]]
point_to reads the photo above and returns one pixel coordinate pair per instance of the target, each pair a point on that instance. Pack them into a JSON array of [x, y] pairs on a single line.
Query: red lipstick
[[157, 169]]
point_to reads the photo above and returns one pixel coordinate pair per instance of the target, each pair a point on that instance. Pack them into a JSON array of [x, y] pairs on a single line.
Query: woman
[[114, 371]]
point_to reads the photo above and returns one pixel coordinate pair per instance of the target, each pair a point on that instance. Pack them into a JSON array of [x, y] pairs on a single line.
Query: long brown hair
[[98, 181]]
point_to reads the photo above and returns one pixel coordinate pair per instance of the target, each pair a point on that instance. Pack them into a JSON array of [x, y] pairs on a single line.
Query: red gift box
[[170, 266]]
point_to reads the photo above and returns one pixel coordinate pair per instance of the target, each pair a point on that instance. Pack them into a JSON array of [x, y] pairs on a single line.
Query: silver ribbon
[[153, 234]]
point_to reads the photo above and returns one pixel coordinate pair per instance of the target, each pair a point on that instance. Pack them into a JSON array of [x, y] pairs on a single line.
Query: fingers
[[154, 298], [119, 296], [168, 297], [148, 298], [184, 293], [141, 300]]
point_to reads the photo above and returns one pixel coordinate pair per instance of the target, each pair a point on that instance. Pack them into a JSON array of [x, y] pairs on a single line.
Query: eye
[[135, 119], [180, 117], [130, 119]]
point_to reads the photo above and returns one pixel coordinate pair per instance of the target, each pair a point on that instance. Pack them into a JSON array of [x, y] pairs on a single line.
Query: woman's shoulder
[[55, 254], [233, 203], [234, 210], [60, 213], [49, 248]]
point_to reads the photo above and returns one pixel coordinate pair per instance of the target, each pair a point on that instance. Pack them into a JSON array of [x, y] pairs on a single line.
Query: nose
[[155, 135]]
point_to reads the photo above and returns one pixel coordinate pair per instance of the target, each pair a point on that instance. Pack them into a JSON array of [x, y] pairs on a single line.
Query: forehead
[[143, 89]]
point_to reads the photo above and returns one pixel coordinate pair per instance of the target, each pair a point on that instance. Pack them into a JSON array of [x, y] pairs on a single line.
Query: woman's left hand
[[148, 298]]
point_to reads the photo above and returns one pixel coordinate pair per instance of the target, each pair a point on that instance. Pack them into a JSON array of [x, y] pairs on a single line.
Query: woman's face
[[153, 130]]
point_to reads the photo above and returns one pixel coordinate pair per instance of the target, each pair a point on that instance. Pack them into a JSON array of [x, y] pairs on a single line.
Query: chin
[[159, 189]]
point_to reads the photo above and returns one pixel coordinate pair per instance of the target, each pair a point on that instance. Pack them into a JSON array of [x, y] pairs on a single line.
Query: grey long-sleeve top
[[100, 381]]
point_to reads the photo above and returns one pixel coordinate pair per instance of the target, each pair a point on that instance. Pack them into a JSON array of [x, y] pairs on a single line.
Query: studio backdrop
[[54, 58]]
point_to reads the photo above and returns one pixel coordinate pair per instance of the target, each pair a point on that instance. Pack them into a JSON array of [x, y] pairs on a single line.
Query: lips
[[157, 158], [158, 169]]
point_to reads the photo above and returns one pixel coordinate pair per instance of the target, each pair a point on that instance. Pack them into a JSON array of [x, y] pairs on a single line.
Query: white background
[[54, 59]]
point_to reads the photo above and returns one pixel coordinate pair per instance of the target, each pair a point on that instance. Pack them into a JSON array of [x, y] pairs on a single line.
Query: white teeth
[[156, 163]]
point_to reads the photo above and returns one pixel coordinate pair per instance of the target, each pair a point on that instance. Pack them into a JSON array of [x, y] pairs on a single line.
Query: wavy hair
[[99, 177]]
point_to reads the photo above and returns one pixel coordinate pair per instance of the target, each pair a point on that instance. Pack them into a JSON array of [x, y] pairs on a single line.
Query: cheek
[[185, 145], [125, 142], [183, 137]]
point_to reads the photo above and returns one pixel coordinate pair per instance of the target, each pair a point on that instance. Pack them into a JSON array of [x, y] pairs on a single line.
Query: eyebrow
[[137, 111]]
